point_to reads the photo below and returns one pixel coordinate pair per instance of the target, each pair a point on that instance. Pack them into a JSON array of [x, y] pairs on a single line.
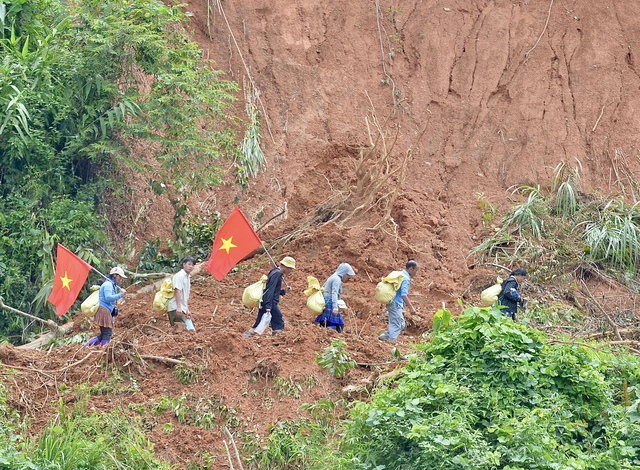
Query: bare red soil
[[503, 90]]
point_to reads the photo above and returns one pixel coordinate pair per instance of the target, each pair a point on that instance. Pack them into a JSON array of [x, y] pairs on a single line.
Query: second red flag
[[235, 240]]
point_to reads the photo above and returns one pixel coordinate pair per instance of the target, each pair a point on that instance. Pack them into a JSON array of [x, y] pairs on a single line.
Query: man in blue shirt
[[396, 306]]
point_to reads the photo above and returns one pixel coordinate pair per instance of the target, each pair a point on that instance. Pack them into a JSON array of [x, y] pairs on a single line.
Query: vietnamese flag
[[71, 274], [235, 240]]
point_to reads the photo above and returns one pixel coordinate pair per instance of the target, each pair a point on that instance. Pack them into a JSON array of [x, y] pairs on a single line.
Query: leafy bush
[[335, 358], [78, 84], [490, 393], [614, 235], [28, 231], [291, 444], [553, 232], [528, 217], [75, 439], [187, 374]]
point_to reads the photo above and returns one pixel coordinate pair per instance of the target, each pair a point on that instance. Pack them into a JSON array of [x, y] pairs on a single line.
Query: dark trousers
[[105, 333], [277, 322], [510, 314], [175, 318]]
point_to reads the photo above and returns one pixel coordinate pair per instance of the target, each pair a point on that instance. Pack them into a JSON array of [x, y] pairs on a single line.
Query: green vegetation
[[555, 231], [488, 210], [297, 444], [79, 84], [490, 393], [200, 412], [75, 439], [115, 385], [483, 393], [187, 374], [251, 158], [335, 358], [292, 444]]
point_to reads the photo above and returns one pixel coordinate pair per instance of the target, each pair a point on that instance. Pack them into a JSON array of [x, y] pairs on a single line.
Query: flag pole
[[105, 277], [99, 272], [273, 261]]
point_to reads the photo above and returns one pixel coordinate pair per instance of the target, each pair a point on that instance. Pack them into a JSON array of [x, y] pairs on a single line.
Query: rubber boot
[[104, 342], [93, 341]]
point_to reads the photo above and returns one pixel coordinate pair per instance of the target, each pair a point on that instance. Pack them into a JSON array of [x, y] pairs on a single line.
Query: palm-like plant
[[615, 236], [527, 216], [252, 158], [564, 184]]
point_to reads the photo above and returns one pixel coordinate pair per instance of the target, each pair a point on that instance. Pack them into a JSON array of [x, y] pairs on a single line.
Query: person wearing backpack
[[396, 306], [509, 297], [178, 305]]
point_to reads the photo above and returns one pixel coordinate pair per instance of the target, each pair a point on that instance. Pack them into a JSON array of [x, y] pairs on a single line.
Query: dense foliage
[[488, 393], [483, 393], [79, 83]]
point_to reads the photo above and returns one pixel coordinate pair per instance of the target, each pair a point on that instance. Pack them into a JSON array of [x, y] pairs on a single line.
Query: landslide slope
[[504, 90], [470, 96]]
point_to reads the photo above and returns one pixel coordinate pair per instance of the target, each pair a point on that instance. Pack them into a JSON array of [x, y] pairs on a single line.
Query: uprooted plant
[[379, 174]]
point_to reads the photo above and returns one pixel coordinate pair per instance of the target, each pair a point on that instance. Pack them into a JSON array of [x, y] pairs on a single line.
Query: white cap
[[342, 303], [119, 271]]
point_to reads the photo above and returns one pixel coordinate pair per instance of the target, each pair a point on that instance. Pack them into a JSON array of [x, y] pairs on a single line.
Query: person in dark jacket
[[509, 297], [271, 298]]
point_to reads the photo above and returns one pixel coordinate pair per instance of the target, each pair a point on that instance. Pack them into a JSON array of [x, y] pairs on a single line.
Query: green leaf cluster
[[488, 393], [552, 231], [81, 85], [291, 444], [335, 358]]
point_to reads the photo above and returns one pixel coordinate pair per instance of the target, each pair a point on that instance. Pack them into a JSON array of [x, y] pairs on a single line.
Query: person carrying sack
[[271, 299], [330, 316], [509, 297], [178, 305], [107, 312], [396, 306]]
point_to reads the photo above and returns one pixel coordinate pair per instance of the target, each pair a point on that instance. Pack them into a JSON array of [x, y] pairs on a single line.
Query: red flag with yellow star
[[235, 240], [71, 274]]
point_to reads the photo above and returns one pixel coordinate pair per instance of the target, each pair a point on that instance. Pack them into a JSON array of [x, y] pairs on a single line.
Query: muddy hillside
[[473, 97], [383, 124]]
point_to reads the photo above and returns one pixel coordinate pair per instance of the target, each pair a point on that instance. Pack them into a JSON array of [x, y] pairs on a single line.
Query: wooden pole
[[50, 323]]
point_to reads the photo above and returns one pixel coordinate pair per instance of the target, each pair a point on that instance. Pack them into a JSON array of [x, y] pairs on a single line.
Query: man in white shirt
[[178, 305]]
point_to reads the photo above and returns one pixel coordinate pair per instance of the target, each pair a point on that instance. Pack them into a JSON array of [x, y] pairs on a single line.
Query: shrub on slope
[[489, 393]]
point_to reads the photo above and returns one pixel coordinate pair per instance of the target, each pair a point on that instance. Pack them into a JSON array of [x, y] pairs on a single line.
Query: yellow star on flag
[[66, 281], [227, 244]]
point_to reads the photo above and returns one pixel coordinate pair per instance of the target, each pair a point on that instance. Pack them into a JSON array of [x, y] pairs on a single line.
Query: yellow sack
[[388, 286], [489, 296], [315, 302], [252, 295], [92, 302], [162, 297], [313, 286]]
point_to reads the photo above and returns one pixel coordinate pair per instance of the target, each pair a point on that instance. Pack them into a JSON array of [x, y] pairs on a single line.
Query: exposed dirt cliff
[[470, 96]]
